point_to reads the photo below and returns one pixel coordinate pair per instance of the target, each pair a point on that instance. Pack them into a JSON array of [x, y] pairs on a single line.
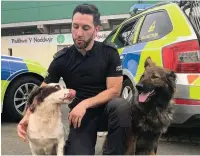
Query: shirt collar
[[89, 52]]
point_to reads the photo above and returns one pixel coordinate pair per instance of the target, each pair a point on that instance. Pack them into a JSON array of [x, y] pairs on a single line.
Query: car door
[[5, 69], [125, 40], [5, 74]]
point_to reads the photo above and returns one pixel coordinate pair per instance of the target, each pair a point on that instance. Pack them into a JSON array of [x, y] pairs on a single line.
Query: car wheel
[[127, 90], [17, 95]]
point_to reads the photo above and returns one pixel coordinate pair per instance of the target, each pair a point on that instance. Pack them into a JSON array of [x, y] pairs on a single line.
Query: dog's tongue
[[143, 96], [72, 93]]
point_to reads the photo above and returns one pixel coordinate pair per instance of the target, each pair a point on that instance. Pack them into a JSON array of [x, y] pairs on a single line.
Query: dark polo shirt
[[85, 74]]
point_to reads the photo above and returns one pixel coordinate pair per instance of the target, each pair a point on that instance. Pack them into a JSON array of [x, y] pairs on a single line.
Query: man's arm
[[114, 85], [113, 81]]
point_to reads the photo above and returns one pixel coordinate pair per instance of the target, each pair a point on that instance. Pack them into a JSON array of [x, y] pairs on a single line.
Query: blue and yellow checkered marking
[[12, 67], [131, 57]]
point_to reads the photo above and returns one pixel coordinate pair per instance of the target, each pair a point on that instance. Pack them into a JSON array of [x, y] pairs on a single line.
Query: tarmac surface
[[177, 141]]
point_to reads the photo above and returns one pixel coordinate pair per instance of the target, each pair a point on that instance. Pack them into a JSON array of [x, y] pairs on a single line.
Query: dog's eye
[[57, 87]]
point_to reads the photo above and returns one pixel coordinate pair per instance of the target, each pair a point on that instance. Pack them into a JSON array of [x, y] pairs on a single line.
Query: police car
[[169, 33], [18, 78]]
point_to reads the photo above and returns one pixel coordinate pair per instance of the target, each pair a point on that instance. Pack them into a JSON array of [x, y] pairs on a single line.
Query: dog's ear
[[172, 75], [41, 96], [32, 95], [31, 100], [149, 63], [171, 79], [33, 106]]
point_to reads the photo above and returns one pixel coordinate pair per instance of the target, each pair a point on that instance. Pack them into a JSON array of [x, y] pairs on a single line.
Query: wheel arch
[[128, 75]]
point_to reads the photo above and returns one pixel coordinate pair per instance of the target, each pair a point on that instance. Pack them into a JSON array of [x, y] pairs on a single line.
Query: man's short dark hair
[[89, 9]]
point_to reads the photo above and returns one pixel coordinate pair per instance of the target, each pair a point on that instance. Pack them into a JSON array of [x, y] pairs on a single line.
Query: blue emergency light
[[136, 8]]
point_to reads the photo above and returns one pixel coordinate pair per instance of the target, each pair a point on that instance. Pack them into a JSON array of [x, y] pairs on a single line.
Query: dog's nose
[[139, 86]]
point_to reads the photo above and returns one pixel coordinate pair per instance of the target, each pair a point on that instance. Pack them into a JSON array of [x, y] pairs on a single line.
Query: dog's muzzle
[[139, 86]]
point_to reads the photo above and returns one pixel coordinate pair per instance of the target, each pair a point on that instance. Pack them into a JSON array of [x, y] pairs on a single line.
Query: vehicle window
[[156, 25], [109, 38], [126, 34]]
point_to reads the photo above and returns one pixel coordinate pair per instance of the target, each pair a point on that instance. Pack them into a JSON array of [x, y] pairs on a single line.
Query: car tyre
[[15, 101]]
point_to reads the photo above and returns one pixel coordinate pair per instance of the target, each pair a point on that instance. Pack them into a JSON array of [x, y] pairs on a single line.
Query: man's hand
[[77, 113], [22, 128]]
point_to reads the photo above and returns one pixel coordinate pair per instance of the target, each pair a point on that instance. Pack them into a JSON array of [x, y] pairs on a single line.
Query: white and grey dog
[[45, 131]]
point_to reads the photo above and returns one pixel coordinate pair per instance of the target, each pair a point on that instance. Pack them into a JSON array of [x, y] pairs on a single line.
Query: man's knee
[[121, 109], [79, 146], [81, 141], [118, 104]]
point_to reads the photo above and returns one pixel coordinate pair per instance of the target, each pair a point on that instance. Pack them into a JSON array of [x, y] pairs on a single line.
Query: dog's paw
[[101, 134]]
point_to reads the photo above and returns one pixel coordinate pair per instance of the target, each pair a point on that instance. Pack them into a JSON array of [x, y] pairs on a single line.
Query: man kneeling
[[94, 70]]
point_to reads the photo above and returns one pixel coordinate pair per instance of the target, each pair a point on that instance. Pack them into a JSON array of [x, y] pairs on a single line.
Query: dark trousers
[[115, 118]]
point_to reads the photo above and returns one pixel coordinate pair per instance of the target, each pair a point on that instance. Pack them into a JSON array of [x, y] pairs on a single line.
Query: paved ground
[[12, 145]]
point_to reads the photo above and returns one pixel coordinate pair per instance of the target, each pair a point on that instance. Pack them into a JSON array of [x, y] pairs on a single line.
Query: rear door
[[153, 35]]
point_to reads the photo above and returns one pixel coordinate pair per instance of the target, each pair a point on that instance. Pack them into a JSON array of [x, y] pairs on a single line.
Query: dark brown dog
[[153, 110]]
